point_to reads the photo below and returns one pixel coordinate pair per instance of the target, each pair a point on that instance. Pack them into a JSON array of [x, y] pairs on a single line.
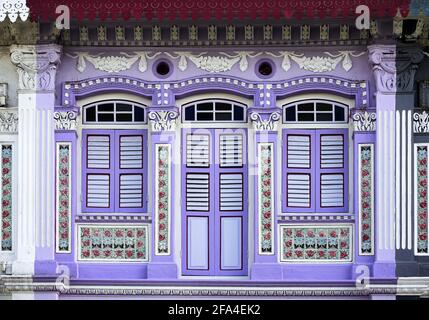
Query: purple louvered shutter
[[98, 171], [331, 170], [130, 171], [299, 166], [316, 171]]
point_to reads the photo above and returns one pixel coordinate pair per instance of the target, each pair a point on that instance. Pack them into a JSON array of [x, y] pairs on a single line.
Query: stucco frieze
[[36, 66], [113, 64], [318, 64], [216, 63]]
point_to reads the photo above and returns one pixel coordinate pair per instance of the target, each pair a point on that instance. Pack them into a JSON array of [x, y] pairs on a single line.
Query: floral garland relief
[[422, 205], [366, 200], [266, 218], [63, 198], [6, 227], [113, 243], [312, 243], [163, 205]]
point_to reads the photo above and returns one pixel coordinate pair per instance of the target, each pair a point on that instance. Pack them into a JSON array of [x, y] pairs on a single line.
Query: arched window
[[316, 111], [114, 111], [214, 111], [315, 159]]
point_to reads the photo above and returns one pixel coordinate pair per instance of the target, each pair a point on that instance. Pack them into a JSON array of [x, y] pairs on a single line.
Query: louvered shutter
[[231, 155], [332, 166], [198, 150], [231, 150], [231, 191], [98, 171], [198, 192], [299, 170], [129, 171], [316, 164]]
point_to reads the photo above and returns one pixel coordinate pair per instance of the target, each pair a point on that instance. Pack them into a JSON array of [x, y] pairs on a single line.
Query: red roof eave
[[212, 9]]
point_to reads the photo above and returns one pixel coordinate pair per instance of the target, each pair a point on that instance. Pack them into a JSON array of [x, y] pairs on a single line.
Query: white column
[[394, 70], [36, 67]]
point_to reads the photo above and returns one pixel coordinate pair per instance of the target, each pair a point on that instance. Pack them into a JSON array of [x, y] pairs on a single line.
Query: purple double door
[[214, 202]]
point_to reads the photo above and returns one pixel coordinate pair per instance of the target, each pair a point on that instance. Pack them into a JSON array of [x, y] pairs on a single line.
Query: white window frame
[[315, 111], [114, 112]]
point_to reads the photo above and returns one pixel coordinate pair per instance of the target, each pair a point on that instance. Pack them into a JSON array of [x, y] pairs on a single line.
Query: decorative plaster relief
[[8, 121], [421, 122], [222, 62], [13, 9], [394, 68], [3, 94], [214, 63], [65, 120], [318, 64], [365, 121], [163, 120], [113, 64], [265, 124], [36, 65]]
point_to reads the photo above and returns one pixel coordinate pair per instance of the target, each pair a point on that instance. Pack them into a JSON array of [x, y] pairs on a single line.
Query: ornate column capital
[[163, 119], [36, 66], [364, 120], [265, 119], [394, 67]]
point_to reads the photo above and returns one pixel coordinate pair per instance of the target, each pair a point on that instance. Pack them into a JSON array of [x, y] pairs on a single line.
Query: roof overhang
[[44, 10]]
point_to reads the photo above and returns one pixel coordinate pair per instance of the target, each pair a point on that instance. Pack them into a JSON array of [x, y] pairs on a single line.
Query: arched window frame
[[233, 111], [316, 112], [115, 112], [316, 132]]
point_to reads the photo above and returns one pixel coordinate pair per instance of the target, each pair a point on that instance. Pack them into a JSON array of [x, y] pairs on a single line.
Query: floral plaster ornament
[[14, 9]]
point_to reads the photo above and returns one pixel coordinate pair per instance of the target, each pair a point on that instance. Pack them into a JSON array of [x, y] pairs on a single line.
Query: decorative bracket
[[264, 119], [421, 122], [163, 119], [66, 119], [364, 120]]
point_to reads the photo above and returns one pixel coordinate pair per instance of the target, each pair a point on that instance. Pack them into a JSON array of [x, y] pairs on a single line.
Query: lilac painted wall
[[265, 267]]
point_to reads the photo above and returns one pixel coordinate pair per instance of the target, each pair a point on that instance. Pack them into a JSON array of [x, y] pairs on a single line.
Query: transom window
[[118, 111], [320, 111], [214, 111]]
